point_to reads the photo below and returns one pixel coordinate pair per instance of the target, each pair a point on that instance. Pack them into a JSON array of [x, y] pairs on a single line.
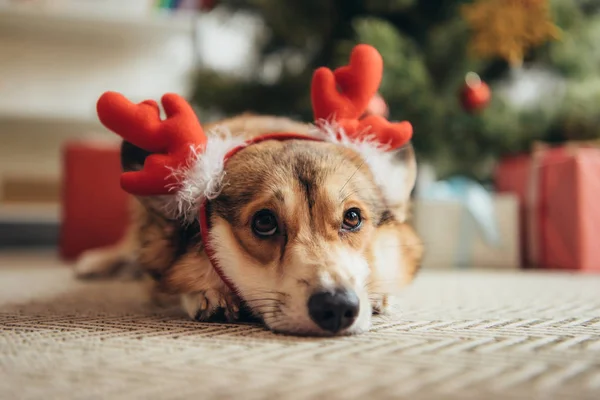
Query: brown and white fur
[[308, 186]]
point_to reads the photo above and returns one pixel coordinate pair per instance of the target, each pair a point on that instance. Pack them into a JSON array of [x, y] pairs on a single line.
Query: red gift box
[[95, 210], [558, 189]]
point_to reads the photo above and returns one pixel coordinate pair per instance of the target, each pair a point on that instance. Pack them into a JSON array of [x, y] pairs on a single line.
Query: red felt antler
[[171, 140], [344, 94]]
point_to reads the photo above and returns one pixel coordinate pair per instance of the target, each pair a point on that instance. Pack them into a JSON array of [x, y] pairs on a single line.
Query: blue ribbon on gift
[[478, 204]]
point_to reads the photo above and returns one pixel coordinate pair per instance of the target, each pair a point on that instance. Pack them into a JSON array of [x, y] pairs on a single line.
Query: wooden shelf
[[41, 22], [29, 226], [30, 213], [33, 117]]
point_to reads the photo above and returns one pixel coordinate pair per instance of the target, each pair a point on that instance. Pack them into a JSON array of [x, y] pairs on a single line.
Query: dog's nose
[[334, 311]]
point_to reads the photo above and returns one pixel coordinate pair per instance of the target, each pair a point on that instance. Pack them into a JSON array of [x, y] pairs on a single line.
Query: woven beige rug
[[456, 335]]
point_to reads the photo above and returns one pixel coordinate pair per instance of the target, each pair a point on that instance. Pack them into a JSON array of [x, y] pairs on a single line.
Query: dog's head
[[309, 229], [301, 228]]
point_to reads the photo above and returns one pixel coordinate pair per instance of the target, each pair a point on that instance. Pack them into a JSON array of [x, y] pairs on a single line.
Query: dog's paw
[[380, 304], [207, 304], [105, 263]]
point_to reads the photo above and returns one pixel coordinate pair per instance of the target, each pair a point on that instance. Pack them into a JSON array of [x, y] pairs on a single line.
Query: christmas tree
[[539, 57]]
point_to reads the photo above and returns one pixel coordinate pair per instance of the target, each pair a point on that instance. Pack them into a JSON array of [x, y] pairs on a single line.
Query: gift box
[[558, 189], [95, 210], [463, 225]]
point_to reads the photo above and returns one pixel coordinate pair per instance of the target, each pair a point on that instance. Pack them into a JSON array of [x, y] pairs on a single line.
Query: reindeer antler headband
[[189, 165]]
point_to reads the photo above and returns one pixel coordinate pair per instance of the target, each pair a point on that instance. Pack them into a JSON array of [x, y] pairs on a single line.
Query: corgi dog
[[303, 226]]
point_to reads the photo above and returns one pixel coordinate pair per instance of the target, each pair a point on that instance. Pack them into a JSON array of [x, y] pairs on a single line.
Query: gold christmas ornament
[[508, 28]]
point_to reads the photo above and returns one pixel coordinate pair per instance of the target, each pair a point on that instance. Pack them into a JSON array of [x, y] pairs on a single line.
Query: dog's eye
[[352, 220], [264, 223]]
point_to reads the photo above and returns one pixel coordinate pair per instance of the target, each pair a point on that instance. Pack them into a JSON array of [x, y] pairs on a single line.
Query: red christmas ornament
[[207, 5], [475, 95]]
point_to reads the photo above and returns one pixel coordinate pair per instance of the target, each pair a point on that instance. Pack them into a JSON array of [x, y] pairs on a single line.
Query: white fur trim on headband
[[202, 177], [390, 174]]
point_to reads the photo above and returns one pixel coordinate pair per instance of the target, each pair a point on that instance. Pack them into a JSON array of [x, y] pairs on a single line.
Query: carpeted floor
[[457, 335]]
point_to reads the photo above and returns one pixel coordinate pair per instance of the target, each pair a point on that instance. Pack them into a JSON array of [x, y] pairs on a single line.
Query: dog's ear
[[132, 159], [398, 180]]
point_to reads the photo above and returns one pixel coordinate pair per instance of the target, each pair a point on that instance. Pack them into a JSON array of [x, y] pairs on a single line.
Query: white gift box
[[453, 238]]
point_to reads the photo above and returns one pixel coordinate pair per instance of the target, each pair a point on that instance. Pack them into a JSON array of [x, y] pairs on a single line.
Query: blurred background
[[503, 95]]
